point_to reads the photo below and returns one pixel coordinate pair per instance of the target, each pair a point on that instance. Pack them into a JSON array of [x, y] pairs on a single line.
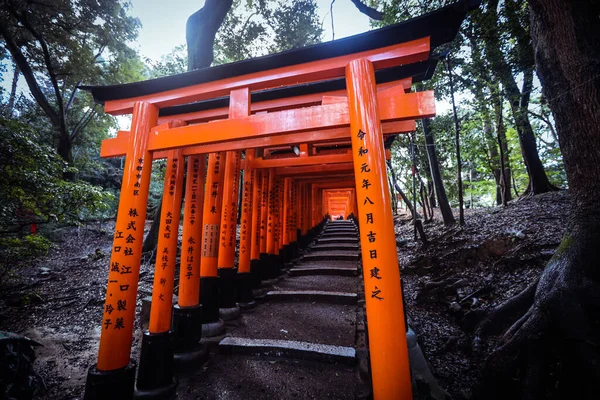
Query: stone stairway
[[302, 340]]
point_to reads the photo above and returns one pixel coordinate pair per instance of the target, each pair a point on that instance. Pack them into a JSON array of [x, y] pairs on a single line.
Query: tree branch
[[28, 74], [47, 60], [83, 122], [368, 11]]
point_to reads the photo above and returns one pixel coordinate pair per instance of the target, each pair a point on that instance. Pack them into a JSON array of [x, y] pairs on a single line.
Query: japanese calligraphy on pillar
[[192, 216], [365, 179], [257, 208], [246, 222], [164, 271], [126, 250], [212, 210]]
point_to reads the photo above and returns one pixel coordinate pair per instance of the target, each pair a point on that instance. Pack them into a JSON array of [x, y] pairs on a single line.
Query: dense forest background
[[51, 130]]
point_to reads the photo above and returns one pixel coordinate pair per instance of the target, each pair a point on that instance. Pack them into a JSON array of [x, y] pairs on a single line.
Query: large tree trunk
[[519, 100], [553, 350], [437, 175], [65, 150], [200, 31]]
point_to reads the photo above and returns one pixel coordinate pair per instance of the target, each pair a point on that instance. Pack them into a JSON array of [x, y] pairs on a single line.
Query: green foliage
[[29, 246], [14, 249], [480, 100], [59, 45], [256, 28], [170, 64], [32, 189]]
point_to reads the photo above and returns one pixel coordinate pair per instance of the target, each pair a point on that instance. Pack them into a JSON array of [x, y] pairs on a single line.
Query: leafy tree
[[32, 190], [551, 351], [258, 28], [58, 45]]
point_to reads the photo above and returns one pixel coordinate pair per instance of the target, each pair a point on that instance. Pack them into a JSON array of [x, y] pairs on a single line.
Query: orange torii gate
[[351, 91]]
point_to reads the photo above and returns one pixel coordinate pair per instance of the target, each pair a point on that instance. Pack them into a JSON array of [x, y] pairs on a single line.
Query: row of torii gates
[[311, 125]]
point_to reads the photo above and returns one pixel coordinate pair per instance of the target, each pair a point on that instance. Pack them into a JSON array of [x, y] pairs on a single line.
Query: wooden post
[[164, 271], [211, 219], [156, 356], [246, 220], [114, 373], [264, 210], [189, 274], [287, 211], [385, 311], [187, 314], [247, 235]]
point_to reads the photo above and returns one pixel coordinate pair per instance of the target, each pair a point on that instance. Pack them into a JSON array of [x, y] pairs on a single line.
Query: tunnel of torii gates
[[307, 129]]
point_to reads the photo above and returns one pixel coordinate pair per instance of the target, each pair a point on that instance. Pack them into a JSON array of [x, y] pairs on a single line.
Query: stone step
[[289, 349], [327, 240], [313, 296], [335, 246], [339, 235], [331, 255], [244, 377], [347, 284], [309, 321], [330, 271]]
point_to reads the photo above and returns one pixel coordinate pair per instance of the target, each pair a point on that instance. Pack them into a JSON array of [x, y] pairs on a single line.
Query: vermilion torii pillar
[[114, 373], [239, 106], [187, 314], [158, 342], [249, 245], [211, 221], [385, 311]]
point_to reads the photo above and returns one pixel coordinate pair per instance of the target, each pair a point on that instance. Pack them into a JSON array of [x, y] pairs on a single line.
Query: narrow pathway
[[301, 340]]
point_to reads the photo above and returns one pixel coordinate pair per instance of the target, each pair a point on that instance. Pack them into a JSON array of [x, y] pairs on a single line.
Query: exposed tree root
[[552, 351], [501, 315]]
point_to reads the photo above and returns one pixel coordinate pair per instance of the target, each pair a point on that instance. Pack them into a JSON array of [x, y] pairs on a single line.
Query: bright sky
[[163, 22]]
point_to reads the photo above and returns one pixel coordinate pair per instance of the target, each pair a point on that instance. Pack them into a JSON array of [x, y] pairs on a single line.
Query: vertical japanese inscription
[[189, 273], [119, 308], [212, 215], [164, 271], [385, 314]]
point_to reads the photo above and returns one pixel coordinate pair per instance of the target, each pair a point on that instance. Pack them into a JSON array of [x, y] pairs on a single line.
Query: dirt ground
[[465, 270], [57, 300]]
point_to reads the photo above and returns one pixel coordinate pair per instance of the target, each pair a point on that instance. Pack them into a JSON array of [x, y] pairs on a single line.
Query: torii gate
[[353, 88]]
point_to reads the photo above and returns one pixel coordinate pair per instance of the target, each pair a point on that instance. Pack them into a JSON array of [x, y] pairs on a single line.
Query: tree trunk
[[461, 210], [65, 150], [401, 192], [503, 172], [13, 89], [436, 174], [200, 31], [552, 351], [519, 102], [152, 237]]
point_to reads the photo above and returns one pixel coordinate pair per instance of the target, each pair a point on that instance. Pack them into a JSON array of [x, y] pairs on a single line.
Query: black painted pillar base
[[264, 271], [156, 378], [245, 296], [102, 385], [228, 308], [272, 266], [209, 298], [212, 325], [284, 253], [228, 287], [187, 324], [255, 267]]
